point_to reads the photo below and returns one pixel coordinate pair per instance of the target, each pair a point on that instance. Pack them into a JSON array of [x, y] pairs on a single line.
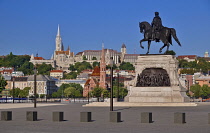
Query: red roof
[[187, 56], [38, 58], [96, 71], [56, 71]]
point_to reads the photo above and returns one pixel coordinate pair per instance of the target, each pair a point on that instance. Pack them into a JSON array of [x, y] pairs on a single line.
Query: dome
[[123, 45]]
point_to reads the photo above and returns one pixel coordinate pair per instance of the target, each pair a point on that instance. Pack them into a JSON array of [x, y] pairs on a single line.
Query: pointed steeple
[[58, 33], [102, 82], [52, 57], [58, 40], [68, 49]]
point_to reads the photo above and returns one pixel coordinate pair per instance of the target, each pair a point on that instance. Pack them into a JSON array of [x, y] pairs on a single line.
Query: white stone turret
[[58, 40]]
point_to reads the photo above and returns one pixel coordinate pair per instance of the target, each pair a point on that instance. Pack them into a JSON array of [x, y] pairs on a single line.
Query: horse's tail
[[173, 32]]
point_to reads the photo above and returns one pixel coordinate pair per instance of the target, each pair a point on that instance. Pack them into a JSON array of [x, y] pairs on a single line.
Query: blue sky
[[30, 26]]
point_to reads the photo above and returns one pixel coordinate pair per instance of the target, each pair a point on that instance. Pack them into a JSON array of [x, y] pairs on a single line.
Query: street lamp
[[118, 86], [13, 90], [111, 83], [35, 86], [88, 92]]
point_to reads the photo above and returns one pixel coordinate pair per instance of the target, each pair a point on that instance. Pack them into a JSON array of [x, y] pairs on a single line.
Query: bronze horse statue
[[165, 36]]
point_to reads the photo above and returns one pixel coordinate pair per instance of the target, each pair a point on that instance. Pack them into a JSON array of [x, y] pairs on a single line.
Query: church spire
[[58, 40], [102, 82], [58, 33]]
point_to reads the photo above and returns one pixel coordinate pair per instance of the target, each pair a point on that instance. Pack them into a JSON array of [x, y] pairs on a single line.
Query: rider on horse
[[156, 27]]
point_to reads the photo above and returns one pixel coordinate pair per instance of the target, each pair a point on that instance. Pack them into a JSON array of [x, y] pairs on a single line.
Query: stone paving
[[163, 119]]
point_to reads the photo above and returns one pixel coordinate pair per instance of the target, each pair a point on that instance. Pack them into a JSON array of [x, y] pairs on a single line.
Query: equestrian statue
[[156, 32]]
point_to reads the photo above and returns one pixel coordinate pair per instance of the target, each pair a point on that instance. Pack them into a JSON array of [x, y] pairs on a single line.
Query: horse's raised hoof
[[160, 51], [142, 47]]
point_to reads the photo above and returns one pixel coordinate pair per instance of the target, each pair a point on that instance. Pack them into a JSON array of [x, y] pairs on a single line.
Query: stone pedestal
[[115, 116], [57, 116], [146, 117], [179, 118], [208, 118], [85, 116], [174, 92], [31, 115], [6, 115]]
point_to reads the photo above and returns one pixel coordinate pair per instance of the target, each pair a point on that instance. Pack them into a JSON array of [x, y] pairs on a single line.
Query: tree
[[196, 90], [16, 92], [126, 66], [3, 83], [105, 93], [27, 68], [95, 63], [42, 95], [44, 69], [84, 57], [97, 92], [77, 87], [122, 92], [94, 58], [72, 68], [205, 91], [187, 71], [61, 91], [55, 95], [70, 91], [71, 75], [80, 66], [24, 92]]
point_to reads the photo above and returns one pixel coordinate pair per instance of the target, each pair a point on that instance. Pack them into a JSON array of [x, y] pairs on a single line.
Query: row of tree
[[73, 90], [200, 91], [80, 66], [21, 63], [69, 90], [200, 65]]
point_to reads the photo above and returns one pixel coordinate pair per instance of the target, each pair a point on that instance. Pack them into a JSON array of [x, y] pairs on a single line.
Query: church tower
[[102, 82], [58, 41], [123, 49]]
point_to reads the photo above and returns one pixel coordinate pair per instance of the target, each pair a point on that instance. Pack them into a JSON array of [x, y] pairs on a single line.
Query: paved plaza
[[163, 119]]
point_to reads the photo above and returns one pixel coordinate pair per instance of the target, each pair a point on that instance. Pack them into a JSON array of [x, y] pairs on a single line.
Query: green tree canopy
[[94, 58], [196, 90], [44, 69], [16, 92], [3, 83], [15, 61], [205, 91], [27, 68], [71, 75], [97, 92], [24, 92], [80, 66], [84, 57], [61, 91], [95, 63], [126, 66]]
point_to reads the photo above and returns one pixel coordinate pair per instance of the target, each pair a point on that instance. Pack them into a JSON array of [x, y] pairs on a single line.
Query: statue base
[[172, 93]]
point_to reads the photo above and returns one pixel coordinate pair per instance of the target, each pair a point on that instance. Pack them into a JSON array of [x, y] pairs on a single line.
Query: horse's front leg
[[141, 42], [149, 42]]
